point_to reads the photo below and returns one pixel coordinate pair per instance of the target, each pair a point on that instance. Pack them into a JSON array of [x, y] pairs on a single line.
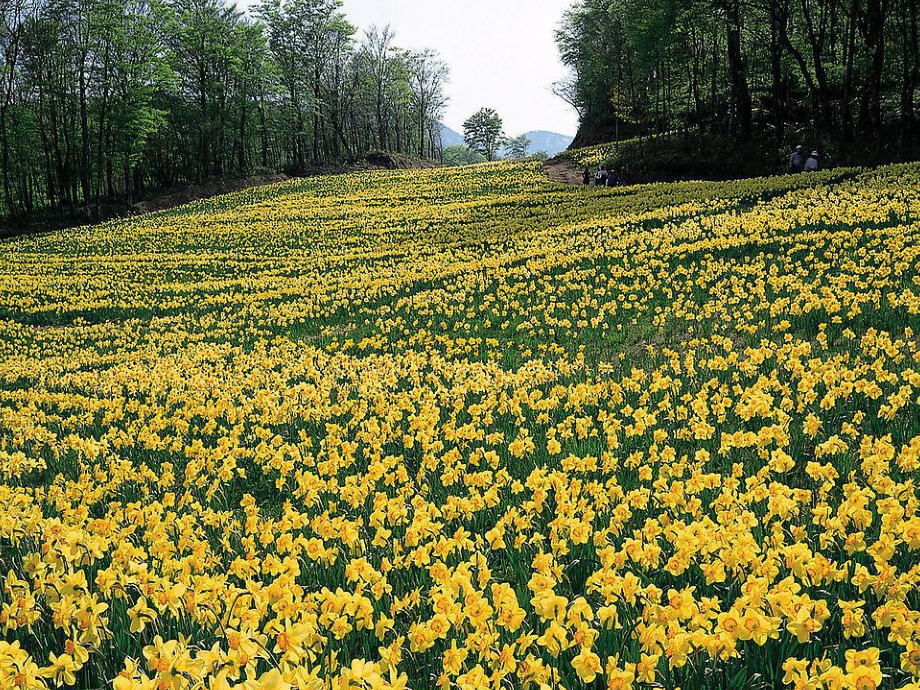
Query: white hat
[[814, 153]]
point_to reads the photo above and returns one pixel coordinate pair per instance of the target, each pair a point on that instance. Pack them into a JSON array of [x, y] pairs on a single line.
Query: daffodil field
[[593, 156], [467, 428]]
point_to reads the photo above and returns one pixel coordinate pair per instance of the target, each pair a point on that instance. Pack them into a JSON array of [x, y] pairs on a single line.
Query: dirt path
[[564, 172]]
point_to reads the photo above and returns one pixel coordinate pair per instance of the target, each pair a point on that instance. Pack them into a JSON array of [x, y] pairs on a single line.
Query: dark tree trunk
[[871, 111], [85, 170], [5, 156], [381, 125], [779, 17], [204, 126], [10, 57], [911, 67], [821, 86], [241, 152], [100, 142], [262, 127], [129, 189], [741, 95], [846, 107], [46, 156]]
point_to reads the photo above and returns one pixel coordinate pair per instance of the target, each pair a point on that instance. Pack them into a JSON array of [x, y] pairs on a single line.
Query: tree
[[518, 146], [12, 20], [482, 132], [741, 94], [428, 76], [142, 75], [286, 27], [838, 72], [593, 43], [203, 56], [461, 155], [383, 63], [105, 100]]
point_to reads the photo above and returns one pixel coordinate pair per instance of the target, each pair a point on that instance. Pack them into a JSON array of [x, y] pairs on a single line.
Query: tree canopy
[[461, 155], [778, 69], [483, 132], [101, 100], [517, 147]]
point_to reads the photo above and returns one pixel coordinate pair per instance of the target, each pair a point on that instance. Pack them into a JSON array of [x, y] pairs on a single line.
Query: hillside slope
[[389, 428]]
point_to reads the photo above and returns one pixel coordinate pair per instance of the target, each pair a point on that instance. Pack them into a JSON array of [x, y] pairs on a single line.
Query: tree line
[[829, 70], [103, 100]]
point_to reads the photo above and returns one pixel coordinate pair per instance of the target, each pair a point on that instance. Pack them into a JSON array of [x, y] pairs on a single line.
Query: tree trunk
[[803, 68], [297, 139], [871, 112], [847, 111], [103, 112], [10, 56], [778, 18], [822, 91], [421, 132], [129, 193], [84, 139], [262, 127], [741, 95], [242, 139], [5, 156], [911, 67], [46, 151], [381, 127], [204, 126]]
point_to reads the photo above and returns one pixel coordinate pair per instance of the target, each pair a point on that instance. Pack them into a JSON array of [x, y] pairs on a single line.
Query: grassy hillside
[[467, 428]]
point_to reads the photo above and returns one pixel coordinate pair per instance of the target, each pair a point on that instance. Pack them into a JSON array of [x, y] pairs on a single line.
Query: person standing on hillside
[[586, 180], [600, 180], [797, 160], [811, 165]]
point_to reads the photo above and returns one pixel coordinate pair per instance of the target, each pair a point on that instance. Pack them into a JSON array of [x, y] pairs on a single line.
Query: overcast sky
[[501, 54]]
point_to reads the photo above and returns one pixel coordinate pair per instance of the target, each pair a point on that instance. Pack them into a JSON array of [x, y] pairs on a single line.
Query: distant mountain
[[551, 142], [450, 138], [540, 140]]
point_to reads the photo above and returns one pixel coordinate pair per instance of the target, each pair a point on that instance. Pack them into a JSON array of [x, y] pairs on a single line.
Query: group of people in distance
[[799, 163], [606, 178]]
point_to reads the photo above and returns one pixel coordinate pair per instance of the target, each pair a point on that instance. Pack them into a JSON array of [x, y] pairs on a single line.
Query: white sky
[[501, 54]]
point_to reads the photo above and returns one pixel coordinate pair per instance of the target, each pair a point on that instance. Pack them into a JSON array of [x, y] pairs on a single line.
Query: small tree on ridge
[[483, 132]]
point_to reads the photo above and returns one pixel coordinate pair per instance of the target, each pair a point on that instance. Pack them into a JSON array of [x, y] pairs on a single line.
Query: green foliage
[[517, 147], [483, 132], [461, 155], [104, 101], [828, 69]]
